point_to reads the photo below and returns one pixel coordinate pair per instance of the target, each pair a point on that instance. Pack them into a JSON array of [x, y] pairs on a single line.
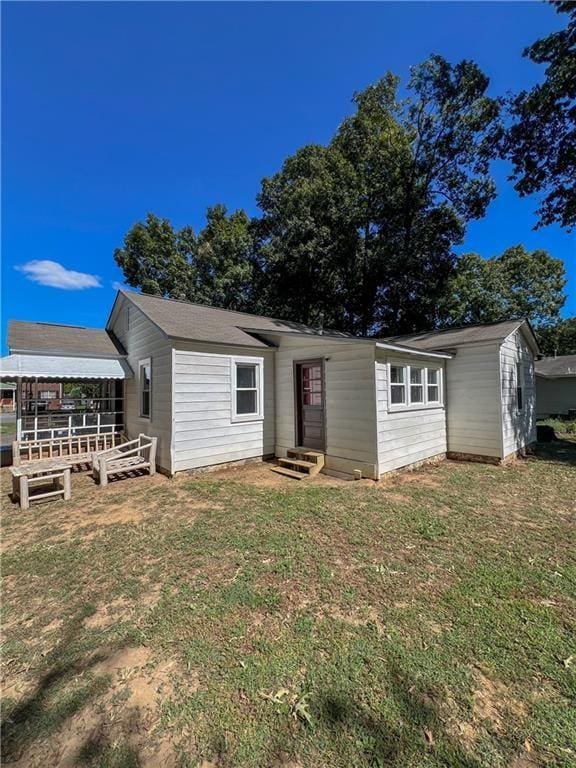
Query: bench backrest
[[54, 448]]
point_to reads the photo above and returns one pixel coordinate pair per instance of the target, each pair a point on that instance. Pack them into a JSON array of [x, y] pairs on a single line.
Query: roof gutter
[[411, 351]]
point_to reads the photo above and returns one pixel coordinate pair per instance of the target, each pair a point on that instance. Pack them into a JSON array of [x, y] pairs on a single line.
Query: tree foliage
[[361, 233], [215, 267], [541, 142], [519, 283], [559, 338]]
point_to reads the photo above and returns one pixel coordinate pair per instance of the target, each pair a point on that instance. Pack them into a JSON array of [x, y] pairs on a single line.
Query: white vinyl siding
[[350, 409], [518, 425], [406, 435], [206, 431], [555, 396], [473, 400], [144, 340]]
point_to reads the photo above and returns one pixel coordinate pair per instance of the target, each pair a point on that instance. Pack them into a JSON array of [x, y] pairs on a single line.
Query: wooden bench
[[73, 450], [45, 471], [127, 457]]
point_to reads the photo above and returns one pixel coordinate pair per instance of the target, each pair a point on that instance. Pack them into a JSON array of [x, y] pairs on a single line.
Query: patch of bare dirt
[[127, 714], [492, 702], [261, 474], [109, 613]]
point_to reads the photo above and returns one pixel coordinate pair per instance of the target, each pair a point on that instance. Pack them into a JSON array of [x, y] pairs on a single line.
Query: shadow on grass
[[55, 698], [398, 739], [559, 450]]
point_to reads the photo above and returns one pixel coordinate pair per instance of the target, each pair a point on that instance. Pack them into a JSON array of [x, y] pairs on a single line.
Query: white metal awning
[[15, 367]]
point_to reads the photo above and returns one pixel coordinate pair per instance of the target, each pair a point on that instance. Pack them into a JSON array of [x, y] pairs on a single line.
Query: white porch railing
[[51, 426]]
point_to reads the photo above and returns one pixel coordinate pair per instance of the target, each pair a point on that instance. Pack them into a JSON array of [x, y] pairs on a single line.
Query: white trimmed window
[[415, 386], [397, 384], [433, 385], [145, 387], [247, 379]]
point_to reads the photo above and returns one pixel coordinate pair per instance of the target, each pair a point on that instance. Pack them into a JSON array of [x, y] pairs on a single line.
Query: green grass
[[560, 426], [423, 623], [7, 429]]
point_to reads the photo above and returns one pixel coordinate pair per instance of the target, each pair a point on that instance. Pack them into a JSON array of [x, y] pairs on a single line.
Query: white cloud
[[118, 286], [53, 274]]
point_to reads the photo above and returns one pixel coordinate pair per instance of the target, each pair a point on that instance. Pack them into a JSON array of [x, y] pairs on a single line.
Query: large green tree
[[541, 141], [518, 283], [156, 258], [361, 233], [559, 338], [215, 267]]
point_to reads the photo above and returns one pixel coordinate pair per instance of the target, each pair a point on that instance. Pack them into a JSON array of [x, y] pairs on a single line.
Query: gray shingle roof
[[197, 322], [454, 337], [553, 367], [62, 339]]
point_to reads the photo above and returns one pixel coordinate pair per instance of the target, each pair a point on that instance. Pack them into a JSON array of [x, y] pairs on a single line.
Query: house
[[556, 386], [217, 386]]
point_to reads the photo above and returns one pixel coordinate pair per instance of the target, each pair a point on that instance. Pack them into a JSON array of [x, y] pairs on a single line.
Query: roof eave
[[412, 351]]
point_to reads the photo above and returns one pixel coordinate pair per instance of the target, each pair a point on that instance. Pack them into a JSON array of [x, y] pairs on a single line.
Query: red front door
[[310, 404]]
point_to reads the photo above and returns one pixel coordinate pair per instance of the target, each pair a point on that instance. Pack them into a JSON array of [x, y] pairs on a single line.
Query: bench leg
[[67, 485], [24, 499]]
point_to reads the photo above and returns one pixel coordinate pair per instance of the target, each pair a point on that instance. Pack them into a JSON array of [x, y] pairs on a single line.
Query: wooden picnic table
[[42, 471]]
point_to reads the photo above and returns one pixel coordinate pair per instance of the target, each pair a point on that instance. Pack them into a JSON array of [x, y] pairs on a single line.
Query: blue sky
[[111, 110]]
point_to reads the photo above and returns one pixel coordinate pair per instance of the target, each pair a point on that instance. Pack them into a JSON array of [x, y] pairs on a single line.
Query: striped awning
[[20, 367]]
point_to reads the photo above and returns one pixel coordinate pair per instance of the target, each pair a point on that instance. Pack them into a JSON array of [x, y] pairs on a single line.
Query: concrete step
[[290, 473], [308, 467]]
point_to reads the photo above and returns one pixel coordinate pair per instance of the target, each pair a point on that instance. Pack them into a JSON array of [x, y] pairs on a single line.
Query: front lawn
[[241, 619]]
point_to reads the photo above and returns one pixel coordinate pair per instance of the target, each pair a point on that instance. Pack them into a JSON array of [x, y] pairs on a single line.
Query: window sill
[[237, 419], [423, 407]]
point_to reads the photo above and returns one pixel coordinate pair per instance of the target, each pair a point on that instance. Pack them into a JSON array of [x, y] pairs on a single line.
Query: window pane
[[433, 394], [246, 401], [397, 394], [396, 374], [145, 376], [146, 403], [416, 394], [416, 375], [316, 398], [432, 376], [246, 376]]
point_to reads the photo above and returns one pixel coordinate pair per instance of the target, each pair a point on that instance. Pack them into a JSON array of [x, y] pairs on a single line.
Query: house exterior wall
[[518, 425], [555, 396], [473, 401], [407, 435], [205, 432], [141, 339], [350, 403]]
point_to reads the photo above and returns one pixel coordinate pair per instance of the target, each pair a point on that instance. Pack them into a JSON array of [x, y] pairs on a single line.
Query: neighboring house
[[556, 386], [217, 386]]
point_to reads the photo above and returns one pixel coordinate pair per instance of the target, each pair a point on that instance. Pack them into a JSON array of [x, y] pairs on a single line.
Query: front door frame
[[298, 402]]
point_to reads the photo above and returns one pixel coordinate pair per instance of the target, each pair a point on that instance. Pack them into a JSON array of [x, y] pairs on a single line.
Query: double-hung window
[[145, 387], [247, 389], [433, 385], [397, 384], [415, 386]]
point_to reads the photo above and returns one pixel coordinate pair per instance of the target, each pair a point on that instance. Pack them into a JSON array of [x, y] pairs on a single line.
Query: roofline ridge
[[210, 306]]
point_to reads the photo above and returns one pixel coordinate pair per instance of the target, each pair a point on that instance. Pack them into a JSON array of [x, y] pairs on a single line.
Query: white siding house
[[490, 390], [409, 432], [217, 386], [556, 386], [206, 430]]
